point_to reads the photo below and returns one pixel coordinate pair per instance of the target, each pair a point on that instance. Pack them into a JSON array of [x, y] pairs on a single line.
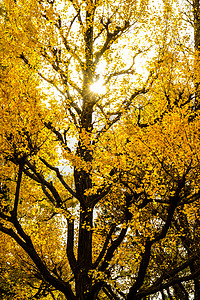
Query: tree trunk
[[83, 281]]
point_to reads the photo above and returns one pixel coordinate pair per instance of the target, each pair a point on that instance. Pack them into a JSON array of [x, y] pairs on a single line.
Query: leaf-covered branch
[[20, 172], [40, 179], [60, 177]]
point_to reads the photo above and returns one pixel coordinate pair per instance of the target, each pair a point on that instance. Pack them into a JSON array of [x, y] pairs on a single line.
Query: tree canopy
[[99, 149]]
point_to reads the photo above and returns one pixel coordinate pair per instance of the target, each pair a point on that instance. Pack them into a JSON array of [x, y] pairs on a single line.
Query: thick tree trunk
[[84, 259], [83, 281]]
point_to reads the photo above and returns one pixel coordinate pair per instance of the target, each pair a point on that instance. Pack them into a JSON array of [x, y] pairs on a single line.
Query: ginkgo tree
[[99, 179]]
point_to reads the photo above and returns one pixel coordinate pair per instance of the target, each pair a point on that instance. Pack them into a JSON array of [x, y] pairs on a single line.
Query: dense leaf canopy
[[99, 149]]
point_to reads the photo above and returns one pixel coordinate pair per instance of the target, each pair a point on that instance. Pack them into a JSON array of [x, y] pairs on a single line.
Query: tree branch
[[40, 179], [69, 49], [159, 285], [111, 38], [60, 177], [28, 247], [103, 251], [20, 171], [109, 292], [125, 105], [101, 192], [58, 135], [114, 245], [174, 200], [70, 246]]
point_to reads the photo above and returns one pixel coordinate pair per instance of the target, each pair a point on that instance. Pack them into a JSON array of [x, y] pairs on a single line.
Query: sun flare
[[98, 87]]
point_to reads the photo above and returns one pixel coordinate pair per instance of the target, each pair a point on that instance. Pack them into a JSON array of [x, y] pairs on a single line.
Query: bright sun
[[98, 87]]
